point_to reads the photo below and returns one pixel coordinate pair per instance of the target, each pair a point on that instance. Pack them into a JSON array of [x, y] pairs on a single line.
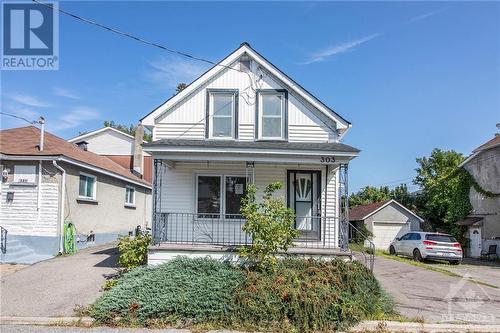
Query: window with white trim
[[222, 113], [25, 174], [272, 115], [218, 195], [87, 186], [129, 196]]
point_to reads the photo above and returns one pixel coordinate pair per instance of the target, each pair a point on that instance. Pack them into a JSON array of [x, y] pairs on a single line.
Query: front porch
[[196, 197]]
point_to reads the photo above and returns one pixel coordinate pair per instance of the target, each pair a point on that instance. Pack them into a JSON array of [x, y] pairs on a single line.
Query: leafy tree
[[180, 87], [270, 225], [441, 184], [369, 194], [130, 130]]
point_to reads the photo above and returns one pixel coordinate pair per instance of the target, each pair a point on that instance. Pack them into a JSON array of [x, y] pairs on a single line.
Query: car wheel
[[454, 262], [392, 250], [416, 255]]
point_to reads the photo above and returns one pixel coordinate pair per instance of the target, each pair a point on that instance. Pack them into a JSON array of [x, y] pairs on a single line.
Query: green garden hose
[[69, 238]]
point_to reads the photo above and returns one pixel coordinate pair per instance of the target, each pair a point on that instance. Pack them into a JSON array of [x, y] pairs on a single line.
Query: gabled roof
[[24, 142], [245, 48], [84, 136], [485, 146], [362, 212]]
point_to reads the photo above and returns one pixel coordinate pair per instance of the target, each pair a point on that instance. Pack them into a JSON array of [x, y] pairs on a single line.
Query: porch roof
[[249, 150], [264, 145]]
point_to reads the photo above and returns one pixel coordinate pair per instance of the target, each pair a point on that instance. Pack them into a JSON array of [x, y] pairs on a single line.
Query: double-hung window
[[129, 196], [220, 195], [222, 114], [272, 114], [87, 186]]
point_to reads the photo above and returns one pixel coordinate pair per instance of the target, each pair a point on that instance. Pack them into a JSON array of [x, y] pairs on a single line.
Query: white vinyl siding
[[186, 119], [21, 216]]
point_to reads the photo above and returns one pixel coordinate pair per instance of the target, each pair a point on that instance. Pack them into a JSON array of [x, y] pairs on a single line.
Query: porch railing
[[226, 230]]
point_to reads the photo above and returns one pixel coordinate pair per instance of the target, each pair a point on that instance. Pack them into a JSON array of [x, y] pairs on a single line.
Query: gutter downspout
[[61, 209], [39, 192]]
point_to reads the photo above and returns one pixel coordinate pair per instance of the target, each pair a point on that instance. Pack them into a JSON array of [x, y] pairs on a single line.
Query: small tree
[[269, 224]]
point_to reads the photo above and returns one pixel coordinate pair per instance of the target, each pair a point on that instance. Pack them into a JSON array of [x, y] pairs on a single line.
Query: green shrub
[[269, 224], [185, 290], [133, 250], [297, 296], [308, 295]]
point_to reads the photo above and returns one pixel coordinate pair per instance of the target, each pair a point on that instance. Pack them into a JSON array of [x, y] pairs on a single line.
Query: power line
[[31, 122], [136, 38]]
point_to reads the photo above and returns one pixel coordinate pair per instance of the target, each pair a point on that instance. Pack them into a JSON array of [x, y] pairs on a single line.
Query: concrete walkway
[[54, 287], [436, 297]]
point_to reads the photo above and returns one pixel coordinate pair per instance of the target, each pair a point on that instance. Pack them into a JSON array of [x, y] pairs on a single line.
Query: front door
[[475, 242], [304, 197]]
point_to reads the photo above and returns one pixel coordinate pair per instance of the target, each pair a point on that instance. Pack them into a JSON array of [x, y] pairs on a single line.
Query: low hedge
[[299, 295]]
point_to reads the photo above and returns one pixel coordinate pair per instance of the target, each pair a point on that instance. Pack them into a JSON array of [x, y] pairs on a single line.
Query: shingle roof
[[329, 146], [360, 212], [25, 141], [493, 142]]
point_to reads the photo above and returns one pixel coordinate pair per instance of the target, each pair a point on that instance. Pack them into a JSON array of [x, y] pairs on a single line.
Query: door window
[[304, 199]]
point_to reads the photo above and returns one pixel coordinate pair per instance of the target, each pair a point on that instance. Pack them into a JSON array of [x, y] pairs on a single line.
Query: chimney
[[41, 121], [138, 159]]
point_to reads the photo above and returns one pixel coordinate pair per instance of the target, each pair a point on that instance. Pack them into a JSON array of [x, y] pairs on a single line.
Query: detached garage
[[386, 220]]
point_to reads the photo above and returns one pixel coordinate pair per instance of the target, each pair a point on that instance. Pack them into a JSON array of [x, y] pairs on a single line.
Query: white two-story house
[[245, 121]]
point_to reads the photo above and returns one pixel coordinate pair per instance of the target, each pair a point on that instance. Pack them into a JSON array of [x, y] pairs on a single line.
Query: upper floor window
[[272, 115], [222, 114], [87, 186]]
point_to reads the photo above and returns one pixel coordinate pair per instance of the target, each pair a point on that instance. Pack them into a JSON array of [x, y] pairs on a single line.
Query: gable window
[[218, 195], [129, 196], [272, 115], [222, 114], [87, 186]]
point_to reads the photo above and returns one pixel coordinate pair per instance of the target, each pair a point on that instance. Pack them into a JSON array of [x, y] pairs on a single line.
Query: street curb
[[395, 326], [11, 320], [380, 326]]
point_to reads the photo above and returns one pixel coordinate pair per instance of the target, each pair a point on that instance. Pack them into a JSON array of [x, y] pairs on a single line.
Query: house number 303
[[327, 159]]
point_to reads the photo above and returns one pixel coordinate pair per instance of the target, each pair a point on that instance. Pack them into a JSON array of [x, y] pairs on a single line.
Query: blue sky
[[410, 76]]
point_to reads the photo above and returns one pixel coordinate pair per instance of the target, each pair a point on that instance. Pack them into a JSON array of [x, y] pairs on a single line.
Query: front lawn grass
[[298, 296]]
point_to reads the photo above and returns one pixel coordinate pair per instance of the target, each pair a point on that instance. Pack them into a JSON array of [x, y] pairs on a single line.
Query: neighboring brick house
[[42, 188], [484, 221]]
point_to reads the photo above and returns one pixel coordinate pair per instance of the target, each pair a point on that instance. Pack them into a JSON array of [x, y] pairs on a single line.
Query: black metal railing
[[3, 240], [220, 229], [367, 250]]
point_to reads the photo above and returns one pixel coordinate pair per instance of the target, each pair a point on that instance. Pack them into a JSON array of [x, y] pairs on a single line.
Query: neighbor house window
[[271, 113], [220, 195], [87, 188], [129, 196], [222, 114], [25, 174]]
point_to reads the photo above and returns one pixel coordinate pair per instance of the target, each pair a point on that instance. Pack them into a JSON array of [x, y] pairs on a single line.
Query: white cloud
[[29, 100], [339, 48], [73, 118], [168, 72], [425, 16], [63, 92]]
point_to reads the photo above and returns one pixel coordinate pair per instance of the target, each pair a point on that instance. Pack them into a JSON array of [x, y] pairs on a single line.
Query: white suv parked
[[427, 245]]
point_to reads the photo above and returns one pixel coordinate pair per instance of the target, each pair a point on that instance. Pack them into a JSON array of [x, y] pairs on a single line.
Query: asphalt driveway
[[54, 287], [436, 297]]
